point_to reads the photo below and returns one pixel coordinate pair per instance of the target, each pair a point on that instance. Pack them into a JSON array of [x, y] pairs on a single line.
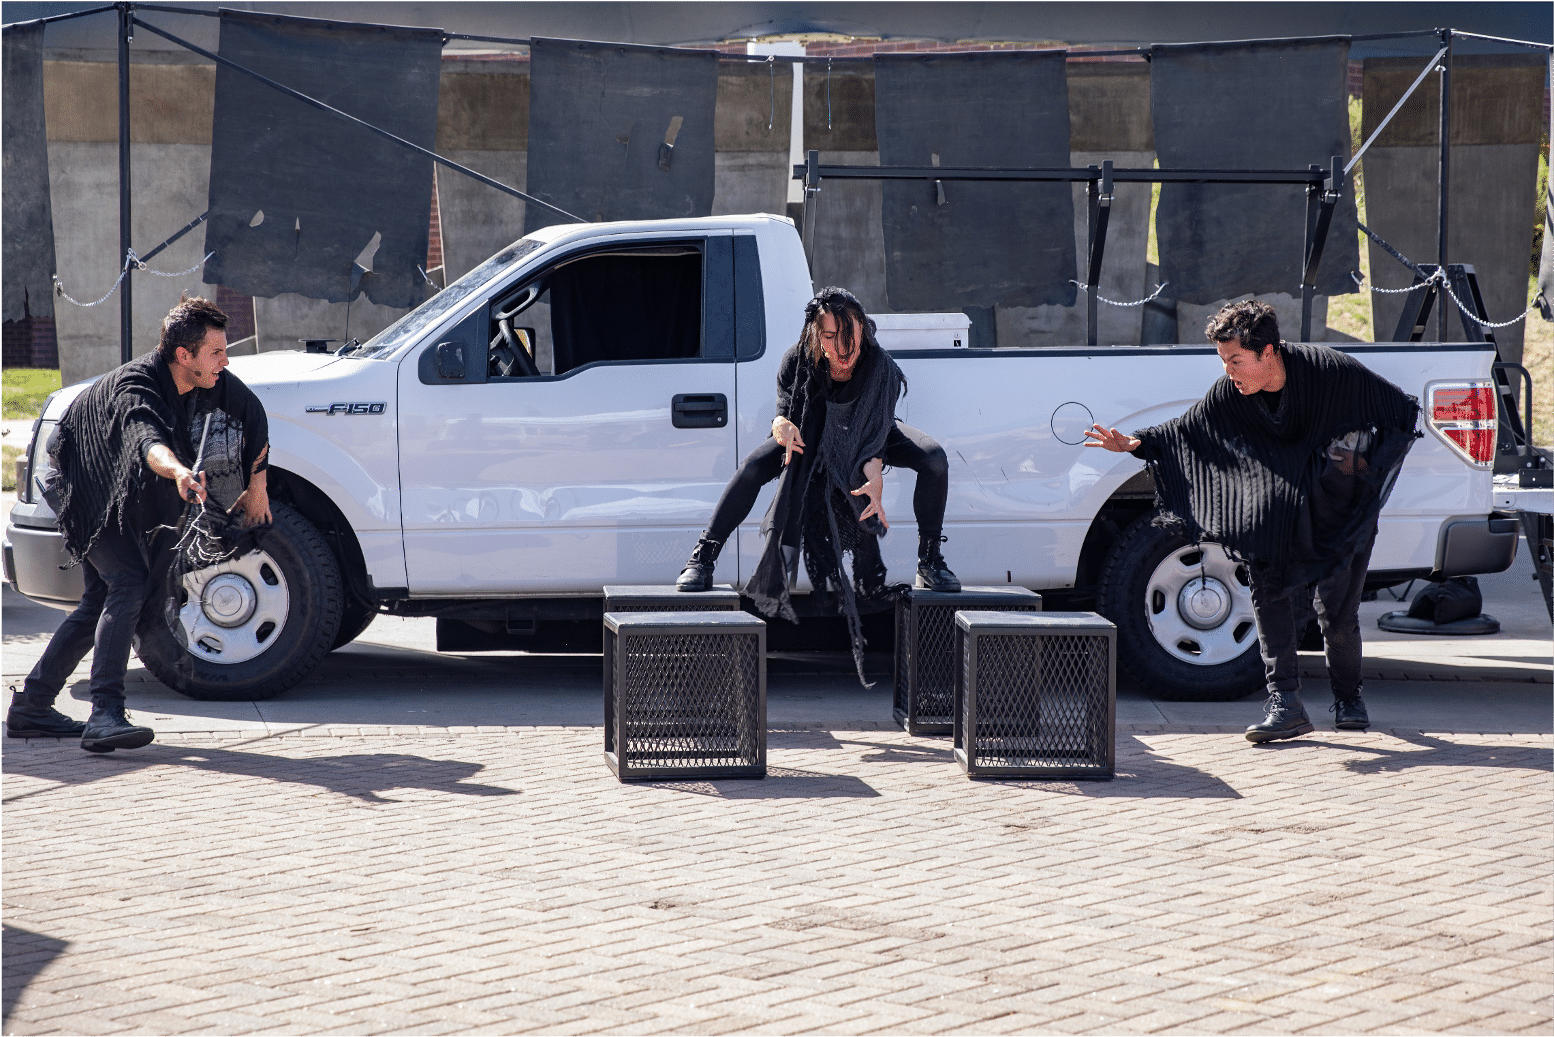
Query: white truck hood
[[282, 368]]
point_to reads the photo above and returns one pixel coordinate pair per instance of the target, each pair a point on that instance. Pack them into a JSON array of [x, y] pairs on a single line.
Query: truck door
[[577, 429]]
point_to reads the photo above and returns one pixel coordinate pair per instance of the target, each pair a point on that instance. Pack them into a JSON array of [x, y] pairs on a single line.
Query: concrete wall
[[170, 120], [1497, 123]]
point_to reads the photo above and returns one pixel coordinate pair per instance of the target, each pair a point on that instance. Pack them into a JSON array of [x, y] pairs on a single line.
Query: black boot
[[1349, 714], [697, 575], [932, 573], [1286, 719], [28, 719], [109, 728]]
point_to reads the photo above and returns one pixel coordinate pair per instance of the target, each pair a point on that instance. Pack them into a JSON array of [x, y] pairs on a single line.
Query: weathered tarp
[[984, 244], [1546, 264], [619, 132], [28, 216], [324, 187], [1281, 105]]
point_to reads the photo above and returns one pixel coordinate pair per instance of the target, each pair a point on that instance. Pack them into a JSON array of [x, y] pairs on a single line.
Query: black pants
[[1282, 616], [116, 586], [905, 447]]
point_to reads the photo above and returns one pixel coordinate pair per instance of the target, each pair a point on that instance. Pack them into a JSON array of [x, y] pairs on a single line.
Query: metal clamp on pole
[[811, 172], [1321, 200], [1100, 215]]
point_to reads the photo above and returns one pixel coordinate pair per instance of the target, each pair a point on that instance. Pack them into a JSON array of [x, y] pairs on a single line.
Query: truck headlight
[[39, 465]]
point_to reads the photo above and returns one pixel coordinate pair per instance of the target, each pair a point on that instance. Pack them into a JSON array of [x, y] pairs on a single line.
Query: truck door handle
[[700, 410]]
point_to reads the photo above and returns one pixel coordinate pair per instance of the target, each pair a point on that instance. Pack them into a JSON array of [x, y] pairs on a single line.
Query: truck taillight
[[1463, 414]]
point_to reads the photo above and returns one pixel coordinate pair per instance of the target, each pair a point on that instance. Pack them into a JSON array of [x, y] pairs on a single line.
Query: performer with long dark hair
[[834, 432], [1286, 463]]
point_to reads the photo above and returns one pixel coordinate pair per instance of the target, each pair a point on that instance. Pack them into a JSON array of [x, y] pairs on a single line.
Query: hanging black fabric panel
[[601, 119], [983, 244], [1277, 105], [325, 187], [1546, 264], [28, 215]]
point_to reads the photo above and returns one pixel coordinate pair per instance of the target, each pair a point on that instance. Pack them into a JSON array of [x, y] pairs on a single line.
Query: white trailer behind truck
[[565, 416]]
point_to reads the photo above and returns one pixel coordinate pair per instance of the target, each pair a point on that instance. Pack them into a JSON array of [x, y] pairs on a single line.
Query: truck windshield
[[429, 312]]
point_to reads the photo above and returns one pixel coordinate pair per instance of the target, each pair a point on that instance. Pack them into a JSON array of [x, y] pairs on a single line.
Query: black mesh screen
[[1041, 702], [925, 670], [687, 701]]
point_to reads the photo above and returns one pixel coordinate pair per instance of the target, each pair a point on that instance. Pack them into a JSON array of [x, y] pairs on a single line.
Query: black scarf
[[99, 449], [814, 508], [1294, 489]]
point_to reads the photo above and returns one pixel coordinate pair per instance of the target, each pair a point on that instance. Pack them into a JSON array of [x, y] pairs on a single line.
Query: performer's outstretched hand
[[1111, 439], [786, 433], [874, 489]]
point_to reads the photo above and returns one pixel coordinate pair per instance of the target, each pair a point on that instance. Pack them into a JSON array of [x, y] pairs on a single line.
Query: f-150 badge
[[349, 408]]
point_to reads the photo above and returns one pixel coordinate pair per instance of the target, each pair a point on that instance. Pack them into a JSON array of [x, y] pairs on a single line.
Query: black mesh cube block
[[619, 598], [1035, 695], [684, 695], [925, 650]]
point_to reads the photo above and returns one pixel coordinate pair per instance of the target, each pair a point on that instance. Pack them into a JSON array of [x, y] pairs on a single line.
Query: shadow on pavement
[[361, 777], [1432, 752], [779, 783], [26, 954], [1141, 774]]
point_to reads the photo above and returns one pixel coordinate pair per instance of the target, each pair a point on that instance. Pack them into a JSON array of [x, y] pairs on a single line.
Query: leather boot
[[1349, 714], [932, 573], [697, 575], [28, 719], [109, 728], [1286, 719]]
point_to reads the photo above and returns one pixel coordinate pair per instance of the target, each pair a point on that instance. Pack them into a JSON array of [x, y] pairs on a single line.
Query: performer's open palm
[[1110, 439]]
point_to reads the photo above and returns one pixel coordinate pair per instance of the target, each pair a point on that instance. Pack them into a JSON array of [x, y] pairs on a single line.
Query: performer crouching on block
[[1286, 462], [835, 429]]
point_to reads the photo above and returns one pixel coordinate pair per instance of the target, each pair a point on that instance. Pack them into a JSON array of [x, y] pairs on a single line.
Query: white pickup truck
[[565, 416]]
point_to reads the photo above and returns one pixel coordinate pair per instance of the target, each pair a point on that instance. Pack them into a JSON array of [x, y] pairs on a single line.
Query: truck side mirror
[[450, 360]]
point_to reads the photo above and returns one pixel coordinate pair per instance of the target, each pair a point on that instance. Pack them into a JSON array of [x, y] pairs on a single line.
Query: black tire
[[1155, 645], [355, 618], [314, 594]]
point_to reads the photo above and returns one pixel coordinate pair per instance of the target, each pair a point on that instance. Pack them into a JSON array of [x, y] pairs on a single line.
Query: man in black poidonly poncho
[[1286, 463], [123, 456], [836, 399]]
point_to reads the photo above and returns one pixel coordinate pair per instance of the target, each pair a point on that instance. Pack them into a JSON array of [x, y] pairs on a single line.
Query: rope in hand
[[130, 260], [1112, 302]]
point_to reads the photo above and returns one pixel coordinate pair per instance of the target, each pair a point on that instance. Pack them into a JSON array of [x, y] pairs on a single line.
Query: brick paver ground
[[501, 881]]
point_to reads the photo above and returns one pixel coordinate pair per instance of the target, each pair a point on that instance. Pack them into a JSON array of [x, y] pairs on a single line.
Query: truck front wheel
[[1184, 616], [252, 626]]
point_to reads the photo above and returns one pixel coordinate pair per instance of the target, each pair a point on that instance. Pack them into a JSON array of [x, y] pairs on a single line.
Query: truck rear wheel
[[1184, 616], [254, 625]]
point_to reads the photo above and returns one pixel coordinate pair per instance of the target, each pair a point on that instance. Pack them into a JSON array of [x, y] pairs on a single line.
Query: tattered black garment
[[101, 444], [844, 425], [1295, 487]]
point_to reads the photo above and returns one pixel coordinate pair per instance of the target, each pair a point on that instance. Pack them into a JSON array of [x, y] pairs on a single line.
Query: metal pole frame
[[1323, 187], [126, 289], [1443, 208]]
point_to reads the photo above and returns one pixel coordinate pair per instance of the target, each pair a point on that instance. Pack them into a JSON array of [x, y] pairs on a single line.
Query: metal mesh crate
[[925, 650], [1035, 695], [620, 598], [684, 695]]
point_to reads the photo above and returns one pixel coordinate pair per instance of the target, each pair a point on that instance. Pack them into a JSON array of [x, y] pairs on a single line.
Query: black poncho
[[814, 508], [1296, 488], [101, 444]]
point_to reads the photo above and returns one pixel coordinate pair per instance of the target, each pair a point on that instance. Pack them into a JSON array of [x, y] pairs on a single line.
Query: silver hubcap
[[235, 610], [1200, 606], [228, 600]]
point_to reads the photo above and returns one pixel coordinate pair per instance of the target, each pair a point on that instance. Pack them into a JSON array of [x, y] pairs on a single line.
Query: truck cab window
[[637, 304]]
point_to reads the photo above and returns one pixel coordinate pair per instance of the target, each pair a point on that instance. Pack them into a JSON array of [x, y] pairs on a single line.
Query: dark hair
[[186, 324], [851, 322], [1251, 323]]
